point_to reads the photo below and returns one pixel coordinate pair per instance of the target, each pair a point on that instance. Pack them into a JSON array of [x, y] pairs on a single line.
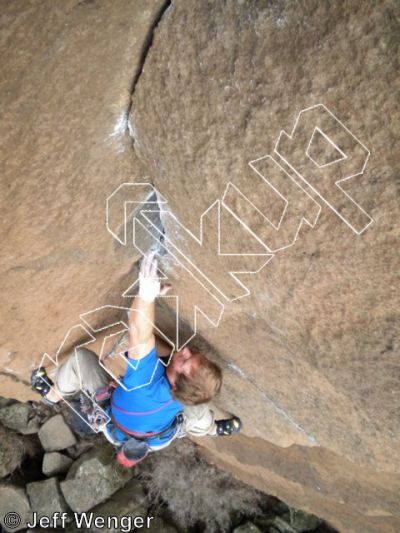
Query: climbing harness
[[97, 410], [178, 420]]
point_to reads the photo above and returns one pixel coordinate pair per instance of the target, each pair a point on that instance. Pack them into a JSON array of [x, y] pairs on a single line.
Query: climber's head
[[194, 379]]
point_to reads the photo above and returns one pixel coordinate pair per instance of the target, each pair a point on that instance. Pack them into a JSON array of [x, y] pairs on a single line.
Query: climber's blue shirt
[[145, 405]]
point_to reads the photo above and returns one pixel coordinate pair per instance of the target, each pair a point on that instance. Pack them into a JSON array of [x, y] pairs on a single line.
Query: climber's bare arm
[[142, 312], [141, 320], [141, 330]]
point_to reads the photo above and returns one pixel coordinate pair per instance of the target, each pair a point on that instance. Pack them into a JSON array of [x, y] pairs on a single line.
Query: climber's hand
[[149, 284], [142, 312]]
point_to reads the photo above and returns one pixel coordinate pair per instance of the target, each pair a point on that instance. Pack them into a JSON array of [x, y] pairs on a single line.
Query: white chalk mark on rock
[[120, 126]]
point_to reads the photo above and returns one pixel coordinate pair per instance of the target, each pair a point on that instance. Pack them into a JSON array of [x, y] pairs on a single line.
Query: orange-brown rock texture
[[309, 339], [67, 74]]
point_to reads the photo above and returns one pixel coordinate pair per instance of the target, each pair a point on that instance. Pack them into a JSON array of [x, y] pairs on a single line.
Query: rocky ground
[[46, 467]]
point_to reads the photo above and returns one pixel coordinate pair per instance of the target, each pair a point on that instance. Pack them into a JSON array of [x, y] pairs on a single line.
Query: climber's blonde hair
[[201, 385]]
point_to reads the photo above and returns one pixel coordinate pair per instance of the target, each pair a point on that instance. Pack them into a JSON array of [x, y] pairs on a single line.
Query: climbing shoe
[[228, 426], [40, 381]]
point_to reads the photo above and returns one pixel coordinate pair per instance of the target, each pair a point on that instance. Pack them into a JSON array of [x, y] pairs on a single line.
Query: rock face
[[310, 355], [67, 69]]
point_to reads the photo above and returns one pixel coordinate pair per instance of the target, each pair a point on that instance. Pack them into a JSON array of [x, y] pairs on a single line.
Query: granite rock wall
[[307, 332]]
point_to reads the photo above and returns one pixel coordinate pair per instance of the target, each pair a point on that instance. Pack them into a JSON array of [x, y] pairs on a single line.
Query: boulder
[[129, 501], [302, 521], [248, 527], [11, 451], [82, 446], [13, 500], [159, 525], [280, 524], [40, 530], [295, 521], [55, 463], [45, 497], [93, 478], [56, 435], [19, 417]]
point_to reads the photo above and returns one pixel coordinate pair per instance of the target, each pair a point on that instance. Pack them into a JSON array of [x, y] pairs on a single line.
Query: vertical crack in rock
[[145, 50], [276, 407]]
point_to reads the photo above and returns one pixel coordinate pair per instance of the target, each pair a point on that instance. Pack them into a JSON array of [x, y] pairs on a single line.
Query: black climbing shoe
[[228, 426], [40, 381]]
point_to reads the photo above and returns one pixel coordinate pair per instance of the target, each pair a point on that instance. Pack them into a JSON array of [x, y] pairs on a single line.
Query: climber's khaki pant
[[82, 370]]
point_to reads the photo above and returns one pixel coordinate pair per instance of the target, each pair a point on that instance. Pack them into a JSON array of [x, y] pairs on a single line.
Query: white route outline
[[338, 182], [160, 200], [200, 242], [183, 260], [343, 155], [126, 328], [196, 308], [276, 227]]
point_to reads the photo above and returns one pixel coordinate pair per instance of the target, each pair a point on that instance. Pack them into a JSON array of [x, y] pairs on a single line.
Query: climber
[[156, 402]]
